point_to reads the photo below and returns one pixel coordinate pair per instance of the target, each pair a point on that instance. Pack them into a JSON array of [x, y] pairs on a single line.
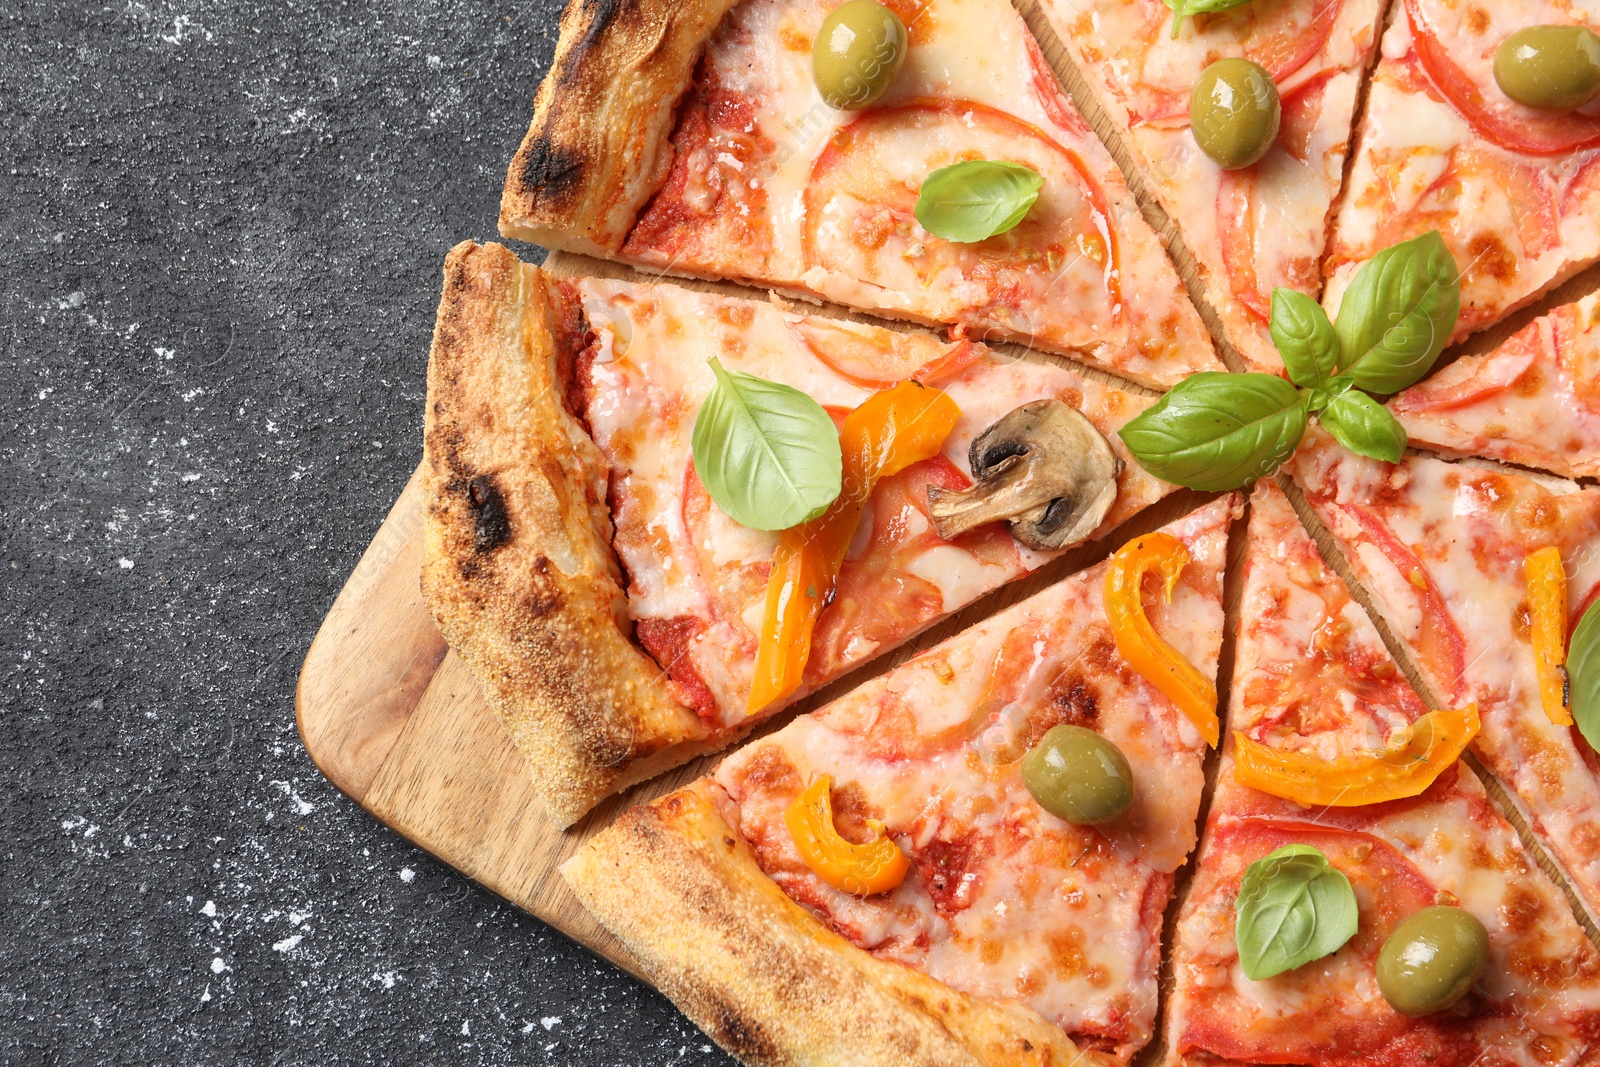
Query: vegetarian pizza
[[920, 162], [657, 516], [965, 860], [1239, 122], [1358, 900], [1480, 123], [660, 513]]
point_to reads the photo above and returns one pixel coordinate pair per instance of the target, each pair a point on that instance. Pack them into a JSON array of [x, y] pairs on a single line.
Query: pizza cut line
[[1311, 676], [1443, 548], [659, 516], [611, 609], [1513, 189], [1262, 226], [693, 141], [1043, 935]]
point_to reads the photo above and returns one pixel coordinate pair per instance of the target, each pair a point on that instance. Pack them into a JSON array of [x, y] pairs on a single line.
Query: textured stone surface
[[220, 243]]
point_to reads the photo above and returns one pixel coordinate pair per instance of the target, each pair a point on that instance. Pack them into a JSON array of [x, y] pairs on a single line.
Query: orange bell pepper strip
[[1547, 611], [864, 870], [891, 430], [1137, 641], [1416, 755]]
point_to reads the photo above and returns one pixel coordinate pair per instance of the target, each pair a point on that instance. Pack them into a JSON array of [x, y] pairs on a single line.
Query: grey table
[[222, 230]]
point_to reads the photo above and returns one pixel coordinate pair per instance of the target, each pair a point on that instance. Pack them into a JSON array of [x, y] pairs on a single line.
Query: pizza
[[692, 140], [1313, 679], [663, 516], [1514, 191], [1257, 227], [1443, 549], [1531, 401], [610, 608], [1006, 934]]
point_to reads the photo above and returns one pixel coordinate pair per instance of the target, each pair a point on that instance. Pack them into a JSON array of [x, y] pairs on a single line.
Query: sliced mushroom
[[1044, 468]]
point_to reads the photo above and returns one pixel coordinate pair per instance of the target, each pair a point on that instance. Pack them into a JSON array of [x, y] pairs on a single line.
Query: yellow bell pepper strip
[[875, 867], [891, 430], [1137, 641], [1416, 755], [1547, 610]]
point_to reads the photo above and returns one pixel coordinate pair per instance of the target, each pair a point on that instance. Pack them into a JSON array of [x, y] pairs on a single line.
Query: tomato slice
[[877, 600], [1290, 1018], [1236, 229], [1474, 378], [1063, 257], [1048, 90], [1237, 202], [1439, 644], [867, 355], [1496, 117], [1282, 37], [877, 358]]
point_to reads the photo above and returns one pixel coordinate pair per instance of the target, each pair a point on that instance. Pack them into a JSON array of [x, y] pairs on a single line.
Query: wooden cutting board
[[396, 721]]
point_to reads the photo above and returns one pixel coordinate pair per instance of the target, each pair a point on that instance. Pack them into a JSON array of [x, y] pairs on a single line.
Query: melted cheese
[[1542, 983], [1517, 224], [641, 407], [1026, 906], [871, 253], [1135, 65], [1542, 414], [1471, 529]]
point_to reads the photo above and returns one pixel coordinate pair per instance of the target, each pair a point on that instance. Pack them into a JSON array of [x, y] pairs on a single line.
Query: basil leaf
[[1398, 313], [1328, 392], [977, 199], [767, 453], [1182, 9], [1293, 907], [1304, 336], [1583, 675], [1216, 431], [1364, 426]]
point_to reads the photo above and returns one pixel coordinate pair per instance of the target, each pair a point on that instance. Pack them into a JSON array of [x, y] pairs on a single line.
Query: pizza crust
[[517, 565], [599, 146], [678, 885]]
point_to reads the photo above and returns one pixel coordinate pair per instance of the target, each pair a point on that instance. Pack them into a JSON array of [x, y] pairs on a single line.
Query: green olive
[[1552, 68], [1432, 959], [1078, 775], [1234, 112], [858, 54]]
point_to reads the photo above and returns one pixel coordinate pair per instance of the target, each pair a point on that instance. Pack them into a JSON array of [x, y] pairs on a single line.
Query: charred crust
[[599, 144], [549, 173], [518, 569], [598, 15], [491, 525], [741, 1035]]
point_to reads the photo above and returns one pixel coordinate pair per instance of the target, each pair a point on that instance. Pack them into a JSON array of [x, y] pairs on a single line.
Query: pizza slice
[[1443, 548], [876, 883], [1313, 681], [1262, 225], [1533, 401], [1513, 190], [615, 614], [700, 142]]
